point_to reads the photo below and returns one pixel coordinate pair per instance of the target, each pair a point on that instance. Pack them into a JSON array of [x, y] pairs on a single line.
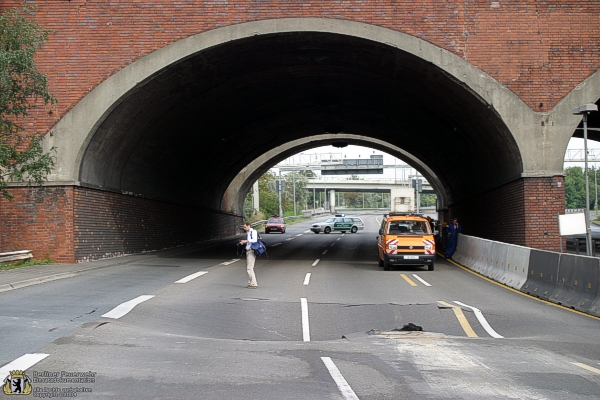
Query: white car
[[342, 224]]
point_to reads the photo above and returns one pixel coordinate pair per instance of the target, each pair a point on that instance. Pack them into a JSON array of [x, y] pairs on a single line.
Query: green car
[[345, 224]]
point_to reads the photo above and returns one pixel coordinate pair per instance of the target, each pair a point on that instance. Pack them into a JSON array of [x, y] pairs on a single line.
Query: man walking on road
[[453, 230], [251, 237]]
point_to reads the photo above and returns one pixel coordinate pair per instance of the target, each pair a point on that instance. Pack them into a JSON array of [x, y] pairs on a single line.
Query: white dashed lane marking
[[22, 363], [230, 262], [482, 320], [307, 279], [305, 327], [124, 308], [339, 379], [192, 276], [421, 279]]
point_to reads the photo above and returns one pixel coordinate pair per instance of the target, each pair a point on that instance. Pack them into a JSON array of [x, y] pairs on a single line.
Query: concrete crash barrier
[[566, 279], [543, 274], [517, 266], [462, 255], [497, 260], [482, 250], [15, 256], [577, 283]]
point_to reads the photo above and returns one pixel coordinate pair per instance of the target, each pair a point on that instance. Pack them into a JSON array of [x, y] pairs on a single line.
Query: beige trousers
[[250, 259]]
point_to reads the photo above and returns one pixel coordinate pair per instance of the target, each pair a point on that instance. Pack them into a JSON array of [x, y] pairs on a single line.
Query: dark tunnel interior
[[183, 134]]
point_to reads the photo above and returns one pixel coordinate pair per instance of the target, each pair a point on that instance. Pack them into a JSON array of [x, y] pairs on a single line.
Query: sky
[[352, 151]]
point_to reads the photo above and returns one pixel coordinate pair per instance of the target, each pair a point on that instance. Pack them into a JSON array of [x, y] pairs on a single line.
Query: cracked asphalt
[[212, 338]]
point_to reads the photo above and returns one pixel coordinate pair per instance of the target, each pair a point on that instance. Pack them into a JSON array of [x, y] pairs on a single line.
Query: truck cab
[[405, 239]]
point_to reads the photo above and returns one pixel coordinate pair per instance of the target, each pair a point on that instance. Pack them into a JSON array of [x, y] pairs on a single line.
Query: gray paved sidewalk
[[35, 274]]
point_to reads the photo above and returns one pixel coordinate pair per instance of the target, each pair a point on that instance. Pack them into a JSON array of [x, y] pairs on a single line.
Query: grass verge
[[21, 264]]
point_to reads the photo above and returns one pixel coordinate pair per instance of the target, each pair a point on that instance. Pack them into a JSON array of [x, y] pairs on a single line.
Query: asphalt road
[[320, 326]]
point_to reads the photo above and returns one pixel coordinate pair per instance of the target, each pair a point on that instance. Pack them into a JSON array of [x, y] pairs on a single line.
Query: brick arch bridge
[[168, 110]]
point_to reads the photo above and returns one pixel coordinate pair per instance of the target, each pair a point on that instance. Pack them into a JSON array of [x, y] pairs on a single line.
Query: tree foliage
[[575, 187], [269, 203], [428, 200], [22, 88]]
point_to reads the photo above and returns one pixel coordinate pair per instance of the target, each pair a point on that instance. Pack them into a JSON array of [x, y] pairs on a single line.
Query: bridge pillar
[[523, 212], [332, 201], [255, 197]]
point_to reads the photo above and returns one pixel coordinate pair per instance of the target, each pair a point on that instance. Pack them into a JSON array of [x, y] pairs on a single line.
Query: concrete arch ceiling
[[180, 124], [242, 183]]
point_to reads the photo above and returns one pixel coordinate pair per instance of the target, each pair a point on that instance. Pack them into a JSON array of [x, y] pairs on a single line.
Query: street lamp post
[[584, 110], [596, 187]]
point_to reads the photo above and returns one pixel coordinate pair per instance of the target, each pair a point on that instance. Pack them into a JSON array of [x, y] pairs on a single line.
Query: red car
[[275, 224]]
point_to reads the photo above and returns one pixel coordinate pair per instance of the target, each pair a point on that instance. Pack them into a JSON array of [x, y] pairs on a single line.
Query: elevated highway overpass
[[363, 185]]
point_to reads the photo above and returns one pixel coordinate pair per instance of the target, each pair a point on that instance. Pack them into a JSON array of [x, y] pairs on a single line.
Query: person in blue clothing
[[453, 230]]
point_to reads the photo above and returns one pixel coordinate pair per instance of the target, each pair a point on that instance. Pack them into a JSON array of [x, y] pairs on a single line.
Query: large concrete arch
[[73, 134], [238, 188], [161, 147], [563, 124]]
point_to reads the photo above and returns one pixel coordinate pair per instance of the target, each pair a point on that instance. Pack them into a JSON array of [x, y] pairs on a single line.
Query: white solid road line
[[124, 308], [482, 320], [307, 231], [421, 279], [316, 262], [230, 262], [325, 252], [307, 279], [305, 327], [22, 363], [192, 276], [341, 383]]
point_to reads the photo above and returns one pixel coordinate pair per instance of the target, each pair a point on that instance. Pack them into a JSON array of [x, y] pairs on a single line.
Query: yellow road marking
[[592, 369], [407, 279], [462, 320]]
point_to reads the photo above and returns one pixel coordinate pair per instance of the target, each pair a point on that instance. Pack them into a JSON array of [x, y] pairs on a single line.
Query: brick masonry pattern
[[540, 50], [523, 212], [72, 224]]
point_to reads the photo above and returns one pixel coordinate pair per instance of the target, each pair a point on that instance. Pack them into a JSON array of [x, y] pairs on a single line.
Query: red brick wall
[[110, 224], [523, 212], [544, 201], [41, 220], [72, 224], [540, 50]]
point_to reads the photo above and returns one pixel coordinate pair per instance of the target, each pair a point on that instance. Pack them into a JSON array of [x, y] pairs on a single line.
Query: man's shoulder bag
[[259, 248]]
